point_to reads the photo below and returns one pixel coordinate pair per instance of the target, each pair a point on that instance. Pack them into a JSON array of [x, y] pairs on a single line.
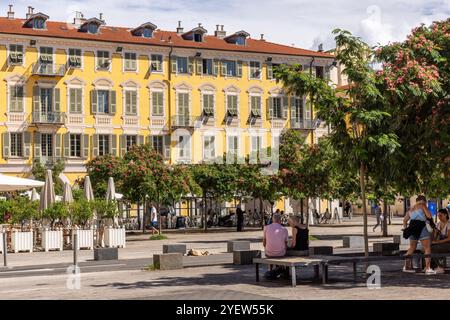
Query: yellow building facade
[[80, 90]]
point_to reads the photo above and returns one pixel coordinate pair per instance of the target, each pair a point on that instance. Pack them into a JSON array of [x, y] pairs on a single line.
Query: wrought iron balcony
[[183, 121], [304, 124], [49, 69], [58, 118]]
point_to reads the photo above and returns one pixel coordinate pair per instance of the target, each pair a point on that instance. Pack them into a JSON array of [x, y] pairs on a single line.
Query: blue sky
[[302, 23]]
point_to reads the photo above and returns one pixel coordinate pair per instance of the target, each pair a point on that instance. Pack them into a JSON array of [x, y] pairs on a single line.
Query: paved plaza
[[43, 275]]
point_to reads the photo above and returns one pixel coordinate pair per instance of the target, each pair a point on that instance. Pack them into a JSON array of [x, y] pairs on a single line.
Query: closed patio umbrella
[[67, 196], [34, 195], [88, 193], [48, 192], [111, 191]]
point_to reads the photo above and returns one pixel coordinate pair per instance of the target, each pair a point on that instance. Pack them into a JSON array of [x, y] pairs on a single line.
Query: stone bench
[[386, 249], [242, 257], [238, 245], [106, 254], [353, 242], [321, 250], [297, 253], [174, 248], [168, 261]]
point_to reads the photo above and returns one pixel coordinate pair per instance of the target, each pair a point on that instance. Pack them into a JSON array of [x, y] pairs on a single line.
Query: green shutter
[[19, 100], [37, 145], [6, 143], [112, 99], [191, 65], [285, 107], [223, 69], [113, 146], [26, 144], [67, 145], [216, 67], [57, 105], [36, 101], [199, 67], [269, 71], [72, 99], [58, 145], [239, 69], [128, 102], [95, 145], [293, 109], [140, 140], [174, 64], [79, 106], [134, 102], [85, 142], [94, 102], [270, 108], [167, 146], [123, 145]]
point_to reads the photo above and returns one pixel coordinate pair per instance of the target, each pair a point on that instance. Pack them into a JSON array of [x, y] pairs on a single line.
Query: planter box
[[168, 261], [1, 242], [106, 254], [22, 241], [85, 239], [114, 238], [52, 240]]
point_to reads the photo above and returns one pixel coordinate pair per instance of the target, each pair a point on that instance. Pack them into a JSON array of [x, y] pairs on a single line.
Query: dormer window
[[198, 37], [147, 33], [195, 34], [39, 23], [144, 30], [93, 28], [239, 38]]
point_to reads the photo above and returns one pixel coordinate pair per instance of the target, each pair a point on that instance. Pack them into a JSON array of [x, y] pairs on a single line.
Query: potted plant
[[53, 238], [81, 212], [23, 210]]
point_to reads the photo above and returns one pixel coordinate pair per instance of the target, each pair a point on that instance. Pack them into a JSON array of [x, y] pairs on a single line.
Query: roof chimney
[[10, 13], [101, 16], [320, 47], [79, 19], [180, 29], [30, 12], [262, 37], [220, 33]]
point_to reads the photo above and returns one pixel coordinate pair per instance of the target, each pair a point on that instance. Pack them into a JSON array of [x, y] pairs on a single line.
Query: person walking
[[153, 220], [379, 217], [240, 218]]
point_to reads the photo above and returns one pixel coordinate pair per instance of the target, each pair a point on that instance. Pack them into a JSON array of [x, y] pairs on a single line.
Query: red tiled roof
[[160, 38]]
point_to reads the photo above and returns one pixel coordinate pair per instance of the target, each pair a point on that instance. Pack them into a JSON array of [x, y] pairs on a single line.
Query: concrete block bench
[[174, 248], [168, 261], [106, 254], [321, 250], [242, 257], [353, 242], [238, 245], [297, 253], [386, 249]]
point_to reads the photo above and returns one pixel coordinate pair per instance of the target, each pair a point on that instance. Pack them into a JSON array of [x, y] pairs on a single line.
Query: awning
[[8, 183]]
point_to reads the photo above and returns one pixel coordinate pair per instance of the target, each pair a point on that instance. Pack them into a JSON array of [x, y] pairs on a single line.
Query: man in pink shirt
[[275, 238]]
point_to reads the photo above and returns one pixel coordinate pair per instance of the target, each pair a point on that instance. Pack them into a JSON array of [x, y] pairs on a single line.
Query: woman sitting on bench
[[441, 243], [300, 234]]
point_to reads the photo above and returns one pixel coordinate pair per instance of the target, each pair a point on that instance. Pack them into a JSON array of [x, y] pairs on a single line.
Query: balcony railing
[[304, 124], [183, 121], [49, 69], [49, 117]]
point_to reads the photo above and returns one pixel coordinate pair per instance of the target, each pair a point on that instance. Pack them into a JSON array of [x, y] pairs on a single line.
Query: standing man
[[240, 218]]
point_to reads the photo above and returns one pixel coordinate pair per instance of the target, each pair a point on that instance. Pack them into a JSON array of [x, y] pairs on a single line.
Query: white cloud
[[303, 23]]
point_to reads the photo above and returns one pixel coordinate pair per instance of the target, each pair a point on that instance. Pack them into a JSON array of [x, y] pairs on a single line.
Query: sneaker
[[408, 270], [430, 272]]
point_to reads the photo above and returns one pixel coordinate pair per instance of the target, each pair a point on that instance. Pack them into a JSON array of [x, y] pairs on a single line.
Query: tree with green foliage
[[39, 172], [100, 169], [23, 210], [55, 212], [81, 212]]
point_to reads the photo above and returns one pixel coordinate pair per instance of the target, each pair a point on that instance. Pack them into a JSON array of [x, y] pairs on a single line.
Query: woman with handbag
[[418, 230]]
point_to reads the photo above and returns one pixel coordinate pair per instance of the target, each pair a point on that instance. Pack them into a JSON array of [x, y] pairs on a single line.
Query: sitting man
[[275, 238]]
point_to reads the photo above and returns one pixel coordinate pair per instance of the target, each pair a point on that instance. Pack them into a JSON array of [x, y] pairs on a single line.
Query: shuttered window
[[76, 100], [255, 70], [209, 147], [131, 103], [75, 58], [157, 103], [16, 54], [232, 105], [158, 144], [130, 61], [130, 141], [75, 145], [16, 98], [103, 144], [16, 141], [47, 145], [255, 106], [103, 61], [156, 63]]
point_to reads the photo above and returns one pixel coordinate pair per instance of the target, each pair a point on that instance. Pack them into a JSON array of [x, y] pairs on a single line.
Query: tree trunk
[[158, 215], [261, 212], [307, 212], [385, 221], [362, 182], [139, 215], [143, 215], [205, 214]]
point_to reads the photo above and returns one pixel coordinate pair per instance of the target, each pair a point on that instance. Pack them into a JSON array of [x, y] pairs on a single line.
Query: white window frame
[[157, 90], [53, 144], [238, 144], [137, 62], [8, 52], [238, 102], [82, 59], [250, 70], [205, 156], [124, 101], [189, 93], [281, 97], [109, 144], [188, 144], [96, 57], [10, 84], [70, 144], [22, 147], [162, 63], [69, 87], [53, 56], [260, 96]]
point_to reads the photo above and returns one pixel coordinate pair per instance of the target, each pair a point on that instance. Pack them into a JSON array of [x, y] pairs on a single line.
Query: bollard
[[75, 249], [5, 249]]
